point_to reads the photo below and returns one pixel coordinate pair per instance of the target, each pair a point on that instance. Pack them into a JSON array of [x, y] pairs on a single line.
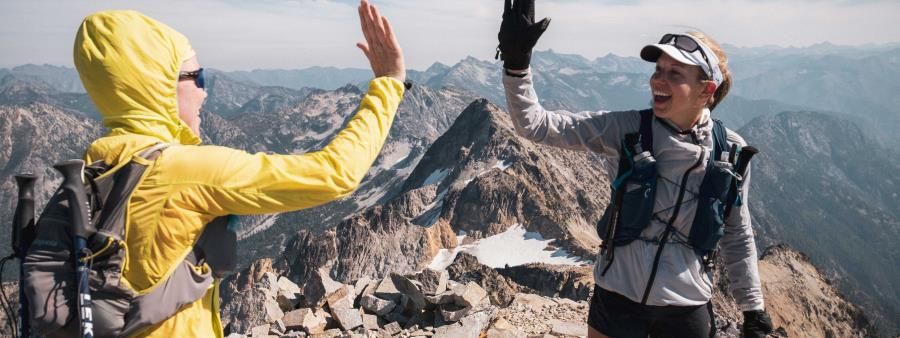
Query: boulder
[[433, 282], [387, 290], [370, 322], [470, 294], [377, 305], [469, 327], [273, 310], [342, 298], [318, 287], [305, 319], [410, 289], [453, 312], [347, 318], [278, 328]]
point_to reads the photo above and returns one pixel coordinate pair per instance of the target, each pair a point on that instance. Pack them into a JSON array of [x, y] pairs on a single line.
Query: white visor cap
[[652, 52]]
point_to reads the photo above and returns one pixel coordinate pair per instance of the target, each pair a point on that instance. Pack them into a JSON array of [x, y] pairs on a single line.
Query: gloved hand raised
[[519, 33], [757, 324]]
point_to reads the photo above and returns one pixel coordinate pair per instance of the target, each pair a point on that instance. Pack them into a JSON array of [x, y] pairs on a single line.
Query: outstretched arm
[[598, 132], [235, 182]]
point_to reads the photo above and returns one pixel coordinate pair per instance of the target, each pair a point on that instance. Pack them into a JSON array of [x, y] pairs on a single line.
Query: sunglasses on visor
[[687, 44], [196, 75]]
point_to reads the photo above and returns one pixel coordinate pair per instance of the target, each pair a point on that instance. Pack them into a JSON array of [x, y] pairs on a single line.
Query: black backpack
[[70, 267]]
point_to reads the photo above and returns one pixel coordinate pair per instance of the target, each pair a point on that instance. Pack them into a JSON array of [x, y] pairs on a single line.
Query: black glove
[[519, 33], [757, 324]]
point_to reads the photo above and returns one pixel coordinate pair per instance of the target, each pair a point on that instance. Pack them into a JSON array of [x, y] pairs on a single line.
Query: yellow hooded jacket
[[129, 65]]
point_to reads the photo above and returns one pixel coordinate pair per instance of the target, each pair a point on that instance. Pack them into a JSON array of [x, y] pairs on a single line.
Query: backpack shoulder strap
[[720, 139], [646, 130], [153, 152]]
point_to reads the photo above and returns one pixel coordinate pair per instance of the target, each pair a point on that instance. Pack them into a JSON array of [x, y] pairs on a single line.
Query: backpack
[[634, 192], [71, 268]]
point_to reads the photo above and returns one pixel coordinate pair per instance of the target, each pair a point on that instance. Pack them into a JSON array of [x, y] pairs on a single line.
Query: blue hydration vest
[[634, 192]]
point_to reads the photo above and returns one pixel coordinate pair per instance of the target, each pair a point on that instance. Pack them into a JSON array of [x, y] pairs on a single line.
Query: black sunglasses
[[687, 44], [196, 75]]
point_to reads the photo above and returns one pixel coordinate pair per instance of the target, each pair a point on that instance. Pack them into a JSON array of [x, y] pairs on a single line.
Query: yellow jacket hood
[[129, 64]]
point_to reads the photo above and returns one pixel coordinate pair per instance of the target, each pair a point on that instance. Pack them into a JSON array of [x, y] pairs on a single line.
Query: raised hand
[[381, 46], [519, 33]]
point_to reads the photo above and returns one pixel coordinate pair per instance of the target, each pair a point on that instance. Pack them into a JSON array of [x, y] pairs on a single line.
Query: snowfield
[[513, 247]]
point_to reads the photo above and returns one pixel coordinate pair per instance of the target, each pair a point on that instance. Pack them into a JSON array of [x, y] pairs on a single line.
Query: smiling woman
[[680, 175]]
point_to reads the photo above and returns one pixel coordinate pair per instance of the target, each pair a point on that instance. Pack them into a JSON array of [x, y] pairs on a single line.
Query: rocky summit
[[469, 299]]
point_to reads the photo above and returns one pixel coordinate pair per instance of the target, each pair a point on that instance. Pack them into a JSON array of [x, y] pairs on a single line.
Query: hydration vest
[[630, 210]]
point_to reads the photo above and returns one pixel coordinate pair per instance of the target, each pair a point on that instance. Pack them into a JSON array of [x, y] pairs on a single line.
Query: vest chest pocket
[[708, 226], [638, 201]]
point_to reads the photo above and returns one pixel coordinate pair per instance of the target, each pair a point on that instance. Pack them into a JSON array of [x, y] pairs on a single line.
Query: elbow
[[343, 185]]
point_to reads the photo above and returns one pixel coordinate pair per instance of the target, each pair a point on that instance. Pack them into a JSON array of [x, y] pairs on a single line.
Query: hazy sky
[[236, 35]]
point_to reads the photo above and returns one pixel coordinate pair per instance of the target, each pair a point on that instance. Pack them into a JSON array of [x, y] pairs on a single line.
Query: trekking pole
[[82, 229], [23, 235]]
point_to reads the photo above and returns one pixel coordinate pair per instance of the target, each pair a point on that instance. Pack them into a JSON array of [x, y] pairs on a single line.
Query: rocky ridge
[[481, 178], [471, 300]]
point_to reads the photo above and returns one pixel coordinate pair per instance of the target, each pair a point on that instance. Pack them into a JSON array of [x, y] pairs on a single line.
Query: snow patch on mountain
[[513, 247], [436, 177]]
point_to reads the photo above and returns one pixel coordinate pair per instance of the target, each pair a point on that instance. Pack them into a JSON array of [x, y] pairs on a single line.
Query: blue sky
[[234, 35]]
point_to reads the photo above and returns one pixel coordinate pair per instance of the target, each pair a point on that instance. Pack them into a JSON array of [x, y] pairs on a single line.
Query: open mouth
[[660, 97]]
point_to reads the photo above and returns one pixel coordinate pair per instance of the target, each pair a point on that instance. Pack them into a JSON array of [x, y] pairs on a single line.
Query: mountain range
[[452, 175]]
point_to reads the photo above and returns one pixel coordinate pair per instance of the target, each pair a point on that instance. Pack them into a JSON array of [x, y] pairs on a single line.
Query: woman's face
[[678, 92], [190, 97]]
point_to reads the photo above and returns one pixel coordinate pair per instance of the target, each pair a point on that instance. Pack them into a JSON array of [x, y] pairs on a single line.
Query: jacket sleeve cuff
[[398, 88]]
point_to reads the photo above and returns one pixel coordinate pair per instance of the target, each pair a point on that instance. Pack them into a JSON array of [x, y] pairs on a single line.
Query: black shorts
[[616, 316]]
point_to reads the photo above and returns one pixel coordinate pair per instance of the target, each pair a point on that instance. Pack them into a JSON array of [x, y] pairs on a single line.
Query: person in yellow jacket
[[146, 82]]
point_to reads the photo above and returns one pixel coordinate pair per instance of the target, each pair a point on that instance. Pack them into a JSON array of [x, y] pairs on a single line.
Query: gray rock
[[287, 285], [393, 328], [318, 287], [269, 281], [287, 300], [454, 313], [370, 322], [503, 329], [347, 318], [294, 334], [387, 290], [443, 298], [260, 331], [468, 327], [470, 294], [562, 328], [273, 310], [360, 285], [333, 333], [235, 335], [278, 328], [305, 319], [377, 305], [342, 298], [368, 289], [433, 282]]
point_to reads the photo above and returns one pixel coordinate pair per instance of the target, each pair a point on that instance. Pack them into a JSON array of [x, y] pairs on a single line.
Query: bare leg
[[595, 334]]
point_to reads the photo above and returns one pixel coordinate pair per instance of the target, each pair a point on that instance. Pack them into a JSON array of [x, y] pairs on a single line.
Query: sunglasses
[[196, 75], [687, 44]]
